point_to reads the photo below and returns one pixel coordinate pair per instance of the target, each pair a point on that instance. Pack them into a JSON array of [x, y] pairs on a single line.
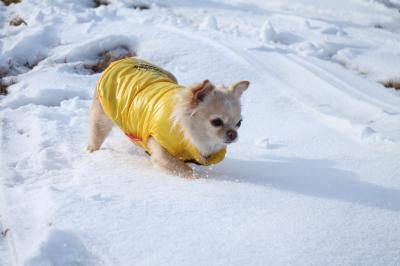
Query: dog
[[174, 124]]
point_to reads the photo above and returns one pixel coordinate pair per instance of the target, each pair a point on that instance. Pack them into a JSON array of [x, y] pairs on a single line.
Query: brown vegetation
[[107, 57], [9, 2], [141, 6], [17, 21], [392, 84], [4, 86], [3, 89], [98, 3]]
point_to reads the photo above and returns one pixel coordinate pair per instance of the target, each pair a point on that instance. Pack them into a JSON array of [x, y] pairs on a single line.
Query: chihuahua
[[172, 123]]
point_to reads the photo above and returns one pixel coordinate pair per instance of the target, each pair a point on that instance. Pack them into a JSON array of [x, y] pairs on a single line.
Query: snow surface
[[313, 180]]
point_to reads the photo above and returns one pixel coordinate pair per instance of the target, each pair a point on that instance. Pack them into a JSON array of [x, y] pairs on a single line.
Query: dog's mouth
[[227, 141]]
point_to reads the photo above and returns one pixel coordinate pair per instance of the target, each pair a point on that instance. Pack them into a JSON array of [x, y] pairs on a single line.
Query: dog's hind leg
[[99, 125]]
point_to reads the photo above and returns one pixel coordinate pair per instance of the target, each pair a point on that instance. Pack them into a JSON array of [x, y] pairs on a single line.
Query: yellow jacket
[[139, 98]]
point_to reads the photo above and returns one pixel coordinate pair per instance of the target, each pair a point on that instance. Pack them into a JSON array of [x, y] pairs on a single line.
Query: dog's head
[[210, 116]]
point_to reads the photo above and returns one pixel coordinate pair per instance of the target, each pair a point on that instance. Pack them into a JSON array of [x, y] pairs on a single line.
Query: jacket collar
[[206, 160]]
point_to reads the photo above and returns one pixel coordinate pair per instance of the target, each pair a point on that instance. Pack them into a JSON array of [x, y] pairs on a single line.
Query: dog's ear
[[201, 90], [239, 87]]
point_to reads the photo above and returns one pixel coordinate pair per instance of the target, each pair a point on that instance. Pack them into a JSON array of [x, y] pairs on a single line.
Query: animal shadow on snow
[[62, 248], [317, 178]]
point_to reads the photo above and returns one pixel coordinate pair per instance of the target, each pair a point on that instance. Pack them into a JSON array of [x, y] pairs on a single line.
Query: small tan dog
[[172, 123]]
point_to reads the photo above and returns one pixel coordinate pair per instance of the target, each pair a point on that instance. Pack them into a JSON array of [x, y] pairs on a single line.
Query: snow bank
[[90, 50]]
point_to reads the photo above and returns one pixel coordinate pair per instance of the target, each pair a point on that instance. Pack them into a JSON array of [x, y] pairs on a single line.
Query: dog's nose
[[231, 134]]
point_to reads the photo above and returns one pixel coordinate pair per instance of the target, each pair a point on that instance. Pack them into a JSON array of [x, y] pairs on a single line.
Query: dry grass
[[392, 84], [98, 3], [33, 64], [3, 83], [9, 2], [3, 89], [140, 6], [5, 80], [4, 233], [17, 21], [4, 86], [107, 57]]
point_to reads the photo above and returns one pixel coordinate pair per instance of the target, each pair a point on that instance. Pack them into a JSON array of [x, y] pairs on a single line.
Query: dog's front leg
[[162, 158]]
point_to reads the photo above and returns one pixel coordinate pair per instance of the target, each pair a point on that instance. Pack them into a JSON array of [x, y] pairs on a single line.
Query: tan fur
[[160, 157], [195, 107], [99, 125]]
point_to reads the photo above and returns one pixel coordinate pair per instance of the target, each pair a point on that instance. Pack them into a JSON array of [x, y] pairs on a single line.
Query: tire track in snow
[[329, 117], [334, 102], [329, 114], [334, 80]]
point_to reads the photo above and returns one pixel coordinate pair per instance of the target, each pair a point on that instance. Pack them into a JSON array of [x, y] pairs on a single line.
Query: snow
[[66, 243], [313, 180], [209, 23], [267, 32]]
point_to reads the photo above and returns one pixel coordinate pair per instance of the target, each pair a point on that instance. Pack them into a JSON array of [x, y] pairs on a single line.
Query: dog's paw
[[195, 176], [191, 175], [90, 149]]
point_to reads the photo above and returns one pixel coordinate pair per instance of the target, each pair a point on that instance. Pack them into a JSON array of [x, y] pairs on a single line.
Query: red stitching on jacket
[[133, 137]]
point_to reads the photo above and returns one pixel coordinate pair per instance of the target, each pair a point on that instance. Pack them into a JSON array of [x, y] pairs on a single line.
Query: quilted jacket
[[139, 98]]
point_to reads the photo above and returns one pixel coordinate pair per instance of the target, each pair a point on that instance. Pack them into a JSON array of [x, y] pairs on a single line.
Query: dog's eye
[[217, 122], [239, 123]]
